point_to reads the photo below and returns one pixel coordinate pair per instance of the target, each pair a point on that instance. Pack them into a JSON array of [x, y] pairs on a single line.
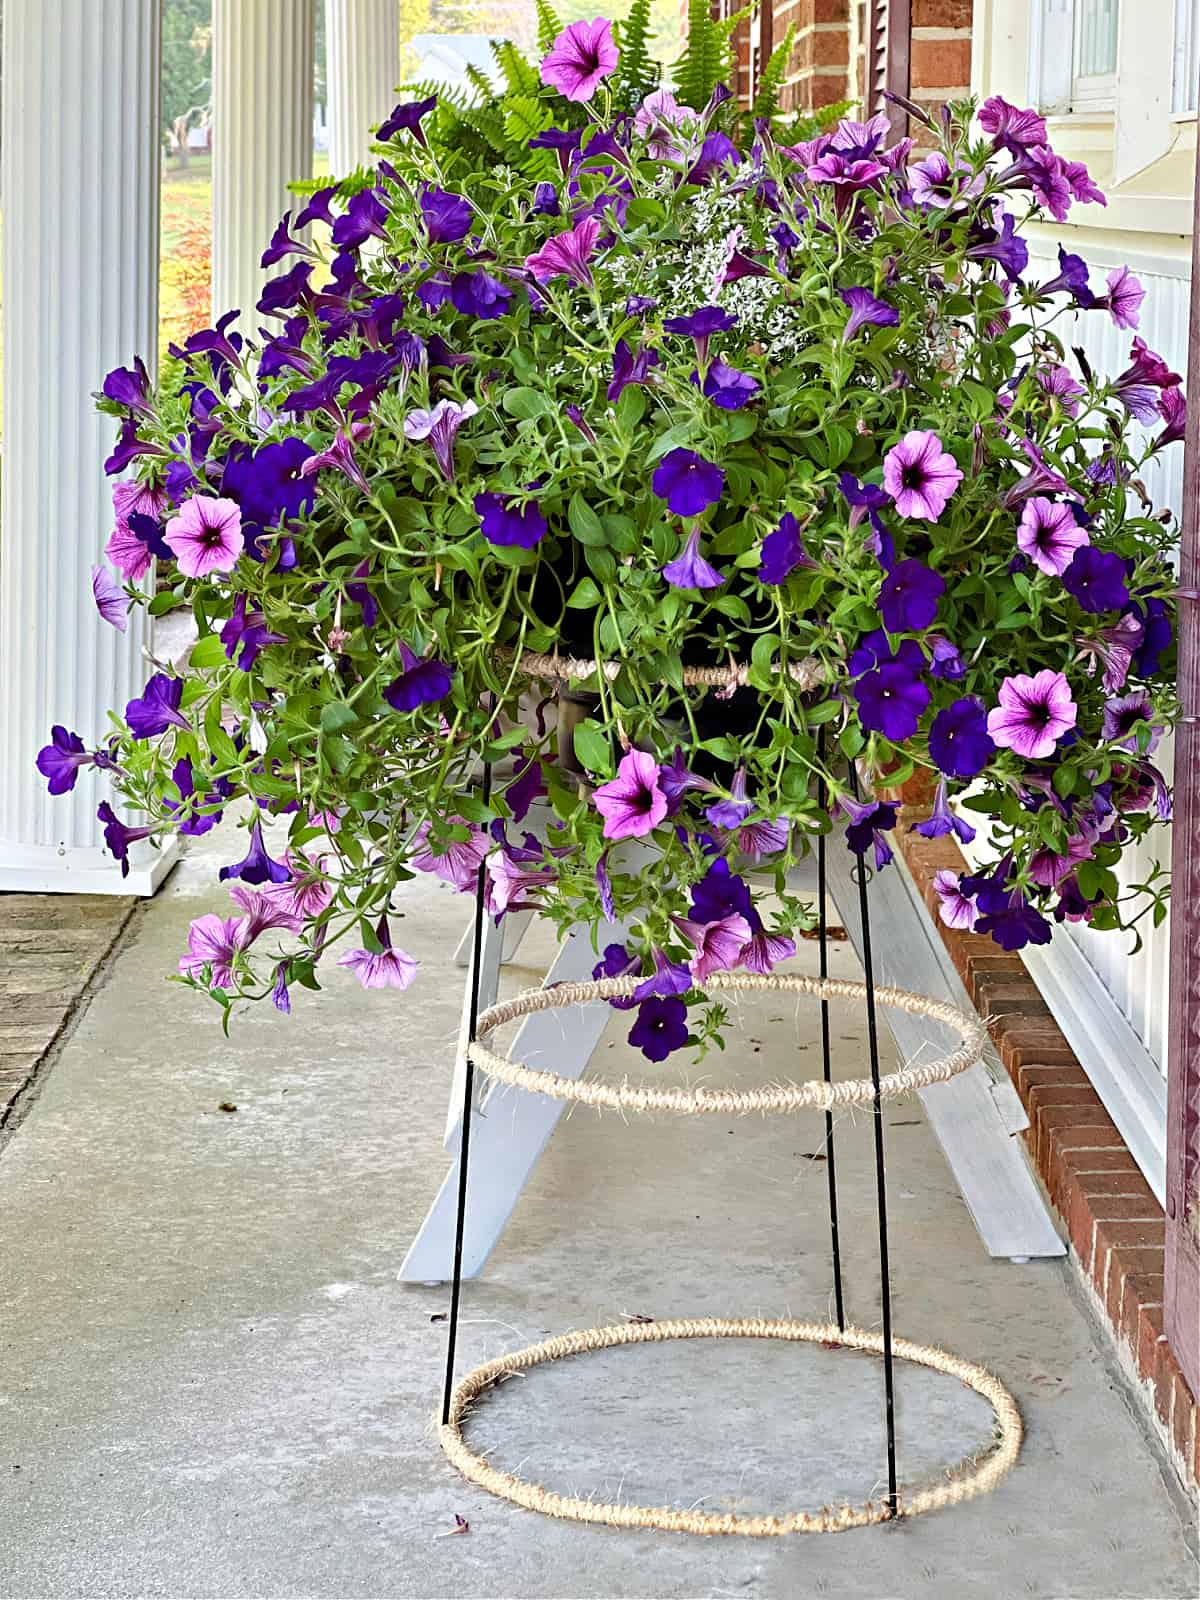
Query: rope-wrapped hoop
[[805, 674], [815, 1095], [972, 1476]]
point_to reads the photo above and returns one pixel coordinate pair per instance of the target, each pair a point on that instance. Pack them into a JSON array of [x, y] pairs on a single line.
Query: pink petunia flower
[[389, 968], [920, 476], [719, 945], [658, 116], [206, 536], [1124, 298], [111, 600], [633, 804], [263, 912], [766, 950], [1049, 535], [567, 254], [1058, 382], [459, 862], [213, 942], [580, 58], [307, 892], [1033, 714]]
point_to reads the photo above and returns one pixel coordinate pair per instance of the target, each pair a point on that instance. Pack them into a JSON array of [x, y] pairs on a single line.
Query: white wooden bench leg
[[512, 931], [510, 1127]]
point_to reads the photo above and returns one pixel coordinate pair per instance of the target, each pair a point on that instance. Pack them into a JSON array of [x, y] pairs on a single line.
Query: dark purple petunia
[[958, 738], [908, 598], [688, 483], [423, 682], [628, 368], [157, 708], [286, 292], [866, 310], [184, 779], [545, 201], [1005, 914], [1156, 636], [669, 978], [690, 570], [1172, 408], [1011, 129], [317, 207], [269, 487], [1096, 579], [727, 387], [866, 501], [447, 217], [364, 218], [717, 151], [245, 635], [563, 141], [640, 305], [720, 894], [505, 522], [616, 962], [60, 760], [869, 821], [258, 866], [117, 836], [946, 660], [782, 552], [1006, 248], [661, 1027], [873, 650], [528, 785], [284, 243], [891, 701], [478, 294], [699, 326], [406, 118], [128, 448], [129, 386], [1072, 277], [577, 419]]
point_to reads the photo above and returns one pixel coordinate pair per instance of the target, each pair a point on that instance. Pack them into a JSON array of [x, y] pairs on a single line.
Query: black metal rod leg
[[826, 1061], [464, 1145], [880, 1171]]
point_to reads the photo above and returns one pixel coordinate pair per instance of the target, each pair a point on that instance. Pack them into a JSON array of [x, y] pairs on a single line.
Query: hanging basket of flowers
[[774, 444]]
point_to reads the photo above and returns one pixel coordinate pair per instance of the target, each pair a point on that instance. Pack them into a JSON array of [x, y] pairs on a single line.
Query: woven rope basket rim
[[974, 1475], [815, 1094], [805, 674]]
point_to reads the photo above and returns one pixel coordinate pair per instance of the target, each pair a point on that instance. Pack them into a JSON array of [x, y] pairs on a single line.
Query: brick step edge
[[1116, 1226]]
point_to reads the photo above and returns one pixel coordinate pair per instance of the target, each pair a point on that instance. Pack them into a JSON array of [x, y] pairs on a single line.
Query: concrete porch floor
[[212, 1384]]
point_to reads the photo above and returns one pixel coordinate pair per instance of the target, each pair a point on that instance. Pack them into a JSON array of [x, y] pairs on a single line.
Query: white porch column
[[262, 137], [80, 259], [362, 64]]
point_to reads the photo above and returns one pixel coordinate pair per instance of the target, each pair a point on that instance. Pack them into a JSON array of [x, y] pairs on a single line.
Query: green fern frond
[[639, 73], [482, 85], [520, 76], [524, 116], [771, 78], [699, 67], [548, 26]]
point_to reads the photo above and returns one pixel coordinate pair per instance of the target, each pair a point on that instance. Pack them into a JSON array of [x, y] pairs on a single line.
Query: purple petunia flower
[[528, 785], [581, 57], [782, 552], [865, 502], [577, 419], [908, 597], [60, 760], [1124, 298], [545, 201], [1006, 915], [201, 821], [447, 217], [1072, 277], [459, 861], [891, 701], [942, 820], [423, 682], [118, 837], [1113, 649], [946, 660], [690, 570], [628, 368], [157, 708], [934, 182], [129, 387], [661, 1027], [567, 254], [1011, 130], [664, 124], [633, 803], [1096, 579], [285, 243], [844, 173], [720, 893], [263, 913], [245, 634], [869, 821], [364, 218], [1049, 535], [213, 943], [206, 536], [505, 522], [478, 294], [866, 310], [1135, 387], [956, 909], [1006, 248], [563, 141], [111, 600], [340, 456], [718, 944], [959, 742], [1123, 714], [406, 118], [258, 866], [726, 386], [440, 426], [1172, 408], [873, 650], [716, 153], [687, 482], [920, 476], [699, 326], [668, 978], [766, 950], [1033, 714], [616, 962]]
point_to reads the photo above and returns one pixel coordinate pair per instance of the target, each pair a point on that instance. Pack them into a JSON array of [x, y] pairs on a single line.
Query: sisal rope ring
[[972, 1476], [805, 674], [814, 1095]]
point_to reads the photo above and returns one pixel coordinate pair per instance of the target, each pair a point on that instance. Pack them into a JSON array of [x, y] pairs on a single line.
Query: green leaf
[[338, 715], [584, 523], [593, 747], [207, 652], [524, 403], [585, 597]]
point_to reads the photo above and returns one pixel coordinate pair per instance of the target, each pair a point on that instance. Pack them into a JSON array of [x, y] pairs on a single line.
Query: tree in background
[[186, 68]]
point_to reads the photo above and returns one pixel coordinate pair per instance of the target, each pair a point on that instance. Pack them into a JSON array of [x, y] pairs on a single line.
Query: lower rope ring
[[815, 1095], [971, 1477]]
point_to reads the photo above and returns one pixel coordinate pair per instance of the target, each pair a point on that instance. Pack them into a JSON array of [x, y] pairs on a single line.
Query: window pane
[[1187, 54], [1095, 37]]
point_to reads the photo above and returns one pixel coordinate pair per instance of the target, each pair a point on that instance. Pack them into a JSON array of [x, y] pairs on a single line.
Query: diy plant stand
[[975, 1475]]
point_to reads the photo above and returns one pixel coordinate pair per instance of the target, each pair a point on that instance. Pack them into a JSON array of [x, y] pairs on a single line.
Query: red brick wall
[[940, 61]]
